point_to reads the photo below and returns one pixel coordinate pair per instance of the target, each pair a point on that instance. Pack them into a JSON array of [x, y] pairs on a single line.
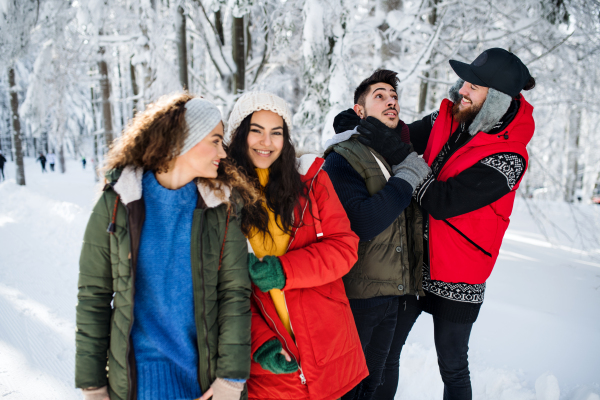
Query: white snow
[[536, 338]]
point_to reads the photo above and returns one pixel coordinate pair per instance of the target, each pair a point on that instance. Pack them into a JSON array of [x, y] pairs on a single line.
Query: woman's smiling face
[[265, 138]]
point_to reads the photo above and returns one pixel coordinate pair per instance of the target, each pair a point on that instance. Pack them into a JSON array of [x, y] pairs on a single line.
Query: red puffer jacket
[[327, 346], [465, 248]]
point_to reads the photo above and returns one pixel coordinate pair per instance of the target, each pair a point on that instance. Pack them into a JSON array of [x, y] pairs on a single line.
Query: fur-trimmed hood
[[127, 183], [495, 106]]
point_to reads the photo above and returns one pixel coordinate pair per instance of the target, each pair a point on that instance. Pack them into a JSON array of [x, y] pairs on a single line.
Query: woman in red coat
[[304, 341]]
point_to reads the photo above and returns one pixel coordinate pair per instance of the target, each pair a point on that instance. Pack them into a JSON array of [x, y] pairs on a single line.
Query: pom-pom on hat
[[201, 117], [256, 101]]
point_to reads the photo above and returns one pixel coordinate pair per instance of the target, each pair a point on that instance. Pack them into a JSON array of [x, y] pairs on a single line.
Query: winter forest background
[[74, 72]]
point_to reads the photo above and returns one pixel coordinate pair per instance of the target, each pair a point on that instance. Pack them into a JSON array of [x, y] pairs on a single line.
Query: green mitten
[[266, 274], [270, 358]]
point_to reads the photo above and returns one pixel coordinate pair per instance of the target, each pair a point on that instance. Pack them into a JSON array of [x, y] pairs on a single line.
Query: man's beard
[[467, 115]]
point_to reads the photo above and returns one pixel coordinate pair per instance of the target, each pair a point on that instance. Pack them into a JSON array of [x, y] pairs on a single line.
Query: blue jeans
[[451, 344], [375, 326]]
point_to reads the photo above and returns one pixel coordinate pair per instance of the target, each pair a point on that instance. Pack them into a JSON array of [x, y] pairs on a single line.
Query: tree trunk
[[61, 158], [14, 104], [424, 87], [571, 167], [182, 48], [106, 108], [388, 49], [239, 54], [94, 137], [219, 27], [134, 86]]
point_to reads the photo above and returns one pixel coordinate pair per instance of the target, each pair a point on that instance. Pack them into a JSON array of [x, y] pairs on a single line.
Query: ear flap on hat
[[494, 107], [453, 91]]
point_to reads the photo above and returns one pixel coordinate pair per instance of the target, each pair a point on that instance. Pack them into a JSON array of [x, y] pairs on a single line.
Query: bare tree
[[14, 105]]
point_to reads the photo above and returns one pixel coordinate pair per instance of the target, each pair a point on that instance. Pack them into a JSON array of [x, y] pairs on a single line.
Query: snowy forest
[[75, 72]]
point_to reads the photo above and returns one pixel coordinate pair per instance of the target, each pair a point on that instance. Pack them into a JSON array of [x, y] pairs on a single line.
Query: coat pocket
[[329, 322]]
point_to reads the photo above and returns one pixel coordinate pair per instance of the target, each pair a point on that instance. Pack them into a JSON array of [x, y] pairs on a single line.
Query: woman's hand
[[266, 273], [96, 393], [272, 357], [224, 389]]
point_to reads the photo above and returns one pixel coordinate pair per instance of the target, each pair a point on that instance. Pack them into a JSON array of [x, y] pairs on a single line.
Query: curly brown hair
[[155, 137]]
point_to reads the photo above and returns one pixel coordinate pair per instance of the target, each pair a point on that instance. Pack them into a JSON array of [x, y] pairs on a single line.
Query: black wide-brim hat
[[495, 68]]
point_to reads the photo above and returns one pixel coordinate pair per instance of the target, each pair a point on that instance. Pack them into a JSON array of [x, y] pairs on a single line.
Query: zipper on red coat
[[302, 377]]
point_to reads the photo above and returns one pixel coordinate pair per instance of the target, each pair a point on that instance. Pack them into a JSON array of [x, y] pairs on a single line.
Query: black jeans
[[375, 326], [451, 344]]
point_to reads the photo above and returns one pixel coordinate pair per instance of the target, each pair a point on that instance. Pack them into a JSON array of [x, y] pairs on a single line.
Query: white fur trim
[[129, 184], [209, 196], [305, 162], [340, 137]]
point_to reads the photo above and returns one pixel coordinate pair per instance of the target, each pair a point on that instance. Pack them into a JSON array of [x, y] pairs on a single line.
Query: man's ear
[[359, 110]]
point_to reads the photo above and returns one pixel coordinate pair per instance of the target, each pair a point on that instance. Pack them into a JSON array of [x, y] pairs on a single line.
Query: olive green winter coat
[[104, 353], [391, 263]]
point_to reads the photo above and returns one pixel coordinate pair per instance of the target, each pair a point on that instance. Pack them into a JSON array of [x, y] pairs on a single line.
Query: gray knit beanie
[[201, 117]]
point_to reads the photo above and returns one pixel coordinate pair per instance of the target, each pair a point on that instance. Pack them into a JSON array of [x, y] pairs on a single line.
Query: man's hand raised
[[384, 140]]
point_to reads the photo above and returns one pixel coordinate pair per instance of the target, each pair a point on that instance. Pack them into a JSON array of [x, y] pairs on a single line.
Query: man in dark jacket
[[475, 146], [375, 188], [42, 160], [2, 161]]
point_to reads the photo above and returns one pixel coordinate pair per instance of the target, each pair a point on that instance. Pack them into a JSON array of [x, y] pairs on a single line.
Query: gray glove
[[224, 389], [413, 170], [96, 393]]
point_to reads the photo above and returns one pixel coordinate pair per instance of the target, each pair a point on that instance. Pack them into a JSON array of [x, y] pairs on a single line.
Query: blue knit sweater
[[164, 330]]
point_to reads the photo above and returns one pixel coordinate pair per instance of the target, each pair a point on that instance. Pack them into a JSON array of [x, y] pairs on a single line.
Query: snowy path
[[540, 321]]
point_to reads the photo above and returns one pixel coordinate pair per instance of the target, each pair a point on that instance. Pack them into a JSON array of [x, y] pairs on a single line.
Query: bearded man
[[476, 148]]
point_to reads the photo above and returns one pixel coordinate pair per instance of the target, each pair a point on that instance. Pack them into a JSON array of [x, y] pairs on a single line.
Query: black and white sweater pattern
[[480, 185]]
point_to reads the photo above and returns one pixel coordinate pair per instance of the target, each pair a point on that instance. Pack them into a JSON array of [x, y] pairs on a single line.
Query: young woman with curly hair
[[304, 341], [164, 291]]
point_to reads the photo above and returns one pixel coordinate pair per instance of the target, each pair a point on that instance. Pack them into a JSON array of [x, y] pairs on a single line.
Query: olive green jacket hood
[[104, 352]]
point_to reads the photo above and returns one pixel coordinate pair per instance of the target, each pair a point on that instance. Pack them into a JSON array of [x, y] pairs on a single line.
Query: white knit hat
[[255, 101], [201, 117]]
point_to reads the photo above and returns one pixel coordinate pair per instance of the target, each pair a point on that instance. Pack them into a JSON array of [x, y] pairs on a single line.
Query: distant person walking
[[51, 160], [83, 162], [42, 161], [2, 161]]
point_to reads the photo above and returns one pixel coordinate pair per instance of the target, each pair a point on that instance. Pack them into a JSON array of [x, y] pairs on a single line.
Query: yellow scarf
[[274, 245]]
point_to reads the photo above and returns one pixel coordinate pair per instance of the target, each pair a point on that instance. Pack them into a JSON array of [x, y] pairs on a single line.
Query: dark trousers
[[375, 326], [2, 171], [43, 166], [451, 344]]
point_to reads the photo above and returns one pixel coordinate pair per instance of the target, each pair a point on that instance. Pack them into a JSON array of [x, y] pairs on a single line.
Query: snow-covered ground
[[537, 336]]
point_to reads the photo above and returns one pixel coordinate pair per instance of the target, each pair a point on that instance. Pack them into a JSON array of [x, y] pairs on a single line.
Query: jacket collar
[[128, 186]]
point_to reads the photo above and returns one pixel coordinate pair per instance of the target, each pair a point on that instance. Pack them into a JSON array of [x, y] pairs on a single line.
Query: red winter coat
[[453, 258], [327, 346]]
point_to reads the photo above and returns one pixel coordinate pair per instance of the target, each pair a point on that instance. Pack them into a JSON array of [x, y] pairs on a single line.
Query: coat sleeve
[[331, 258], [234, 313], [93, 311]]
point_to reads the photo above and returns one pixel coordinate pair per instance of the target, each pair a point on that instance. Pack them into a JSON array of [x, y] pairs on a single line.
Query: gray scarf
[[494, 107]]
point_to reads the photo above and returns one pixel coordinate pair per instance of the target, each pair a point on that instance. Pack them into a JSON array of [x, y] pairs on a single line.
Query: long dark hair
[[284, 189]]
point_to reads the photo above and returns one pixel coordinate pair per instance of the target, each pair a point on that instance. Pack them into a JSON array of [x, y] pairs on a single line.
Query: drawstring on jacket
[[112, 228]]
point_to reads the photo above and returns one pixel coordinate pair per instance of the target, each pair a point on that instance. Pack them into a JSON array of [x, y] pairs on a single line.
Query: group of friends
[[218, 264], [49, 158]]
